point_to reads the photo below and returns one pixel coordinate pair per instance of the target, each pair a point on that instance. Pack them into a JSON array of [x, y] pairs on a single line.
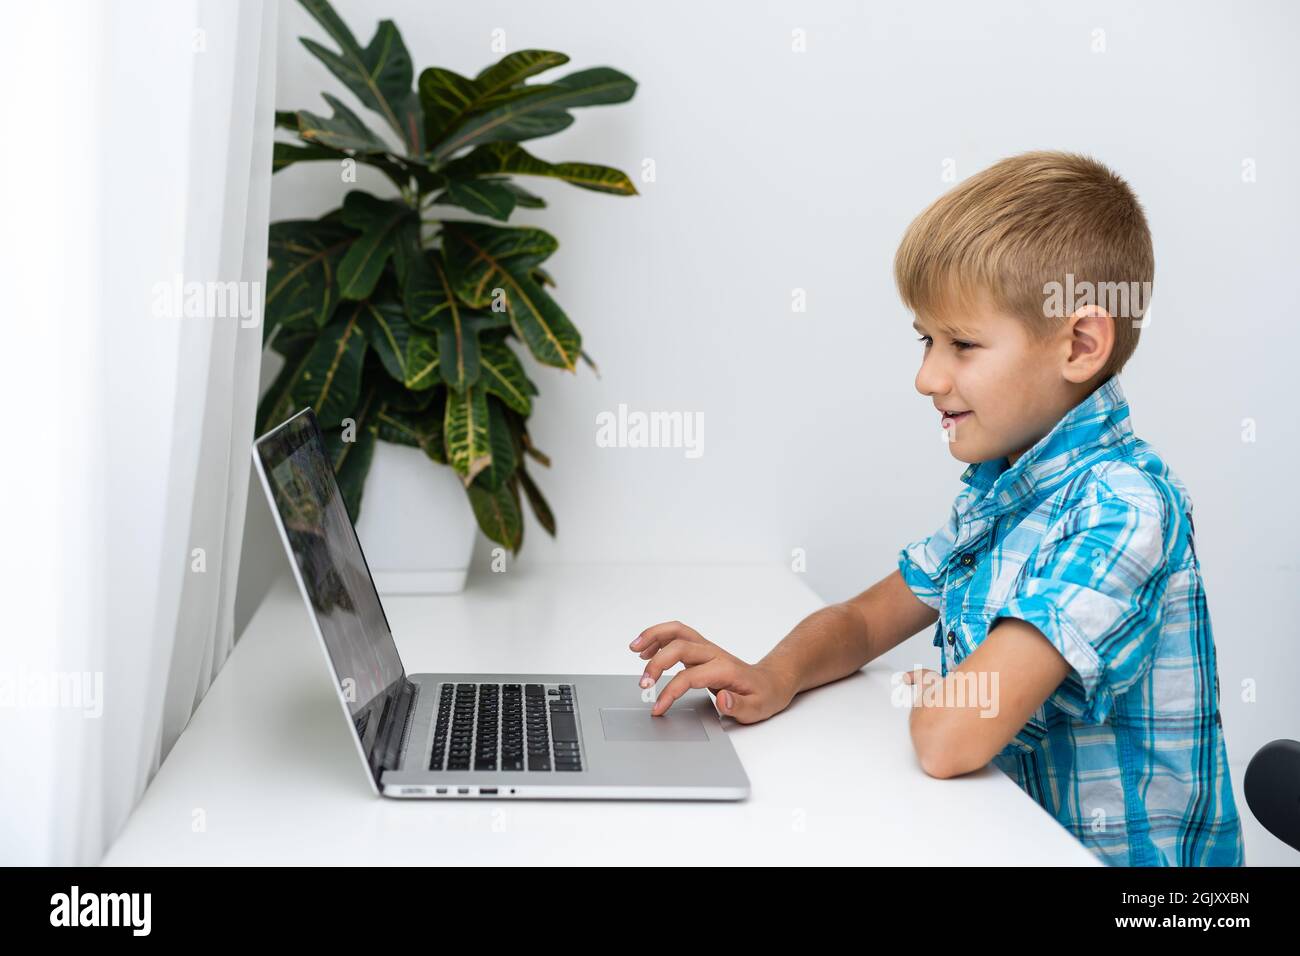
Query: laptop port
[[463, 790], [484, 791], [442, 790]]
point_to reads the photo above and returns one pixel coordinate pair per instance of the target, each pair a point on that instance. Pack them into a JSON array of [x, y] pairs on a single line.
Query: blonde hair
[[1003, 235]]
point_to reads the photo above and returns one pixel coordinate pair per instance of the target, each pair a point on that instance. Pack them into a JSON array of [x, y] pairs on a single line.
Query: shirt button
[[952, 638], [967, 560]]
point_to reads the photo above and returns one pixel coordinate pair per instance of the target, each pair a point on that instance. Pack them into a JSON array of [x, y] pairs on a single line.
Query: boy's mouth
[[951, 418]]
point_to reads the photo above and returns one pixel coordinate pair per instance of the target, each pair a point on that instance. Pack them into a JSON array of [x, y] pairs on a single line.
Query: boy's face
[[1008, 386]]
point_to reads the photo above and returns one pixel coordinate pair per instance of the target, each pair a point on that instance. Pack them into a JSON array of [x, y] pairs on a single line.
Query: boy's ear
[[1092, 339]]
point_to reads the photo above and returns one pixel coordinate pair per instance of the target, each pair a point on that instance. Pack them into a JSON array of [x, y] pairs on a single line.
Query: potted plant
[[400, 327]]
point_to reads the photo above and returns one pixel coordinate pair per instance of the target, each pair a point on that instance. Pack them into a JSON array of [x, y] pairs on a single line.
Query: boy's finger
[[662, 633], [677, 652], [650, 650], [701, 676], [742, 707]]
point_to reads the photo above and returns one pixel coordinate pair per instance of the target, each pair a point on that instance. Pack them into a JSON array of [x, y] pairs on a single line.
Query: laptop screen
[[334, 577]]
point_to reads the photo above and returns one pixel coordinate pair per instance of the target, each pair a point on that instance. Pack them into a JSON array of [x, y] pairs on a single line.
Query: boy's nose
[[931, 379]]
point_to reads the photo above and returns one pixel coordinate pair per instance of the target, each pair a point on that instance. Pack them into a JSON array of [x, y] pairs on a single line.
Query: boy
[[1066, 571]]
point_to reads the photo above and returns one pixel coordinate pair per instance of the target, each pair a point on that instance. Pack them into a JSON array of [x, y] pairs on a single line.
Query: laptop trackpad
[[635, 723]]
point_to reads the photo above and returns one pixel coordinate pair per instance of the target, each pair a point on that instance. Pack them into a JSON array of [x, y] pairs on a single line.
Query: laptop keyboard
[[526, 727]]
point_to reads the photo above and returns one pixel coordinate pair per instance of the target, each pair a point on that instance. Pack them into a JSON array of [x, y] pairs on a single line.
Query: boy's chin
[[970, 454], [962, 454]]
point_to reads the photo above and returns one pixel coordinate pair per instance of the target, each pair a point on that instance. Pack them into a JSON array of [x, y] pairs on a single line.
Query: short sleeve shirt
[[1088, 537]]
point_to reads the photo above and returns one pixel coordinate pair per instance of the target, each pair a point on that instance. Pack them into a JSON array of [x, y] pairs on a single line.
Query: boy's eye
[[959, 346]]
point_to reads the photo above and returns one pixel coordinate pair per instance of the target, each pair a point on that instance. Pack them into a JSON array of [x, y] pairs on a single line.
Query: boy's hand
[[747, 692], [921, 678]]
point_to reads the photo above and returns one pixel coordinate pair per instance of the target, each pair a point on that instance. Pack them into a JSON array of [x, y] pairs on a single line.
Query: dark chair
[[1272, 786]]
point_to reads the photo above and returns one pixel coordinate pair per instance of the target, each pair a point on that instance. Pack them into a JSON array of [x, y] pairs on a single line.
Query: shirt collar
[[1095, 428]]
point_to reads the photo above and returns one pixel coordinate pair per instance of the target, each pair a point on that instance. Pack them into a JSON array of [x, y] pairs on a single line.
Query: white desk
[[267, 766]]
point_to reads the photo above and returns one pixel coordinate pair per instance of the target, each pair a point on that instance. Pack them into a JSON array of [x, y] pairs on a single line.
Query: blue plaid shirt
[[1088, 537]]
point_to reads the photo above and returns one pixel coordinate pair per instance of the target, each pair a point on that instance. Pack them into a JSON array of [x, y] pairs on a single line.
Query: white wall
[[778, 170]]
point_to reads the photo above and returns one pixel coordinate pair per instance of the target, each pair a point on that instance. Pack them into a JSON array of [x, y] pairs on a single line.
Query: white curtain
[[137, 213]]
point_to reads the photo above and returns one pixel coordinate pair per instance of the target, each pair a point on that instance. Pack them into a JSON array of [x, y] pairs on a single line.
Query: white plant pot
[[417, 527]]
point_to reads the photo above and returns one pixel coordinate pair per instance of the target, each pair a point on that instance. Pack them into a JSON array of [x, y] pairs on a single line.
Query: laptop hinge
[[396, 729]]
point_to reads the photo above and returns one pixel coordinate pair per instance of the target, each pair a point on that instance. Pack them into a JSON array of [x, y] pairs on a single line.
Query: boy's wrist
[[786, 678]]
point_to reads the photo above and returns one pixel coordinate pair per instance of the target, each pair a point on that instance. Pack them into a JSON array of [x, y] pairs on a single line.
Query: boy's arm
[[1081, 628], [839, 639], [954, 740], [825, 646]]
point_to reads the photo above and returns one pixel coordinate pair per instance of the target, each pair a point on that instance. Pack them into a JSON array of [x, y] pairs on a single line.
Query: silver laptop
[[554, 736]]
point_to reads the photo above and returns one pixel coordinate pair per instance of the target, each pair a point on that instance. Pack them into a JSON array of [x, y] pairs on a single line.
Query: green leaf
[[458, 332], [449, 98], [388, 333], [458, 347], [510, 119], [330, 380], [398, 398], [423, 361], [484, 197], [407, 249], [598, 86], [399, 428], [427, 292], [477, 253], [286, 154], [378, 221], [291, 341], [533, 111], [539, 321], [301, 277], [503, 376], [483, 258], [423, 430], [277, 404], [503, 462], [541, 510], [343, 130], [498, 514], [523, 197], [534, 453], [466, 427], [515, 68], [380, 75], [432, 304], [351, 459], [496, 159]]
